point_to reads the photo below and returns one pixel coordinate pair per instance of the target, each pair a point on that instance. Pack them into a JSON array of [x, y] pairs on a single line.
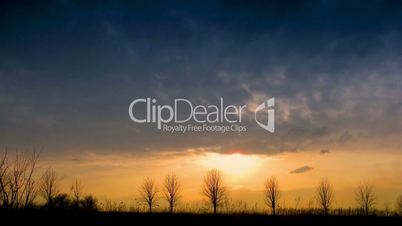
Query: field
[[104, 218]]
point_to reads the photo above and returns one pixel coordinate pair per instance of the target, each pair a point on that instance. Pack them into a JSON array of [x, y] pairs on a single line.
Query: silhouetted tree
[[325, 195], [30, 188], [148, 192], [89, 203], [365, 197], [76, 192], [17, 184], [172, 190], [386, 209], [213, 188], [399, 205], [297, 202], [272, 193], [49, 187], [4, 180], [61, 202]]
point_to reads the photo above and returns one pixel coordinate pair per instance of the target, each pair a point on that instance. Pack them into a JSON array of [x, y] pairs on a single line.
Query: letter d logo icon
[[270, 124]]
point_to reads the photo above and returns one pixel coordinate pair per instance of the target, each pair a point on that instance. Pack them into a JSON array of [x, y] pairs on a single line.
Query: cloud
[[324, 151], [302, 169], [322, 85]]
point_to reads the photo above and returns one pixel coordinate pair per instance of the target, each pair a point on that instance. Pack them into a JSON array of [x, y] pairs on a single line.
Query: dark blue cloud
[[68, 71], [302, 169]]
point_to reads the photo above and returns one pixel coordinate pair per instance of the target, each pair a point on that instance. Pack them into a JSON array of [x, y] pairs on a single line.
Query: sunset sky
[[69, 71]]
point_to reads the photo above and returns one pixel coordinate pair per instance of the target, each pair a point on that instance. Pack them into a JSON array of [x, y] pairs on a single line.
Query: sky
[[69, 71]]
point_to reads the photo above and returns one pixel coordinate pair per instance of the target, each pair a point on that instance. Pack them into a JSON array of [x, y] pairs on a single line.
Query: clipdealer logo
[[183, 116]]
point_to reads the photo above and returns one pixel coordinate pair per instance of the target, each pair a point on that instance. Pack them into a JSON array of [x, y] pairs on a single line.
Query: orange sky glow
[[117, 177]]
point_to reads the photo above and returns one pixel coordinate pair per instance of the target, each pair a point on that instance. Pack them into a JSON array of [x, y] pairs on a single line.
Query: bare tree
[[399, 205], [148, 192], [325, 195], [272, 193], [49, 187], [76, 191], [17, 183], [29, 187], [365, 197], [386, 209], [213, 188], [172, 190], [4, 180], [297, 202], [17, 180]]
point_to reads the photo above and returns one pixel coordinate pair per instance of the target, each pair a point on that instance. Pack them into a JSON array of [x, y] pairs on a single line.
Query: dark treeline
[[21, 189]]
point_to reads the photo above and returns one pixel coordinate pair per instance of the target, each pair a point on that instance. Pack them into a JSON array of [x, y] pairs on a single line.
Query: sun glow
[[235, 165]]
